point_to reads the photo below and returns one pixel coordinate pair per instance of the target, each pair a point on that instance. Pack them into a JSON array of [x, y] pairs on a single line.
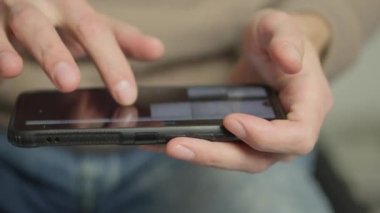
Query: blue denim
[[56, 180]]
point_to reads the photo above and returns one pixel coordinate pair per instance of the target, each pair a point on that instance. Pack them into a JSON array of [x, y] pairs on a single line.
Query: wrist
[[315, 28]]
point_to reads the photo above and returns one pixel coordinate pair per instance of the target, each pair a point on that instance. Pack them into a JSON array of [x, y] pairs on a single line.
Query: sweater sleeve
[[351, 22], [193, 29]]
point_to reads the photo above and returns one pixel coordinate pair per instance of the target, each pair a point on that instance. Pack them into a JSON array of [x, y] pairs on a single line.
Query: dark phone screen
[[166, 106]]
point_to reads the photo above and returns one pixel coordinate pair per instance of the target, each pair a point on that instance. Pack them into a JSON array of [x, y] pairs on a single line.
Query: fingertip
[[235, 125], [293, 57], [288, 56], [280, 37], [66, 77], [269, 21], [138, 45], [147, 48], [125, 93], [157, 48], [10, 64], [179, 149], [244, 126]]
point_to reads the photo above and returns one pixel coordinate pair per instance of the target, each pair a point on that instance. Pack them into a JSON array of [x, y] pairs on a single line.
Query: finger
[[125, 116], [72, 44], [239, 75], [306, 110], [277, 136], [288, 158], [153, 148], [10, 61], [101, 45], [231, 156], [136, 44], [38, 35], [281, 38]]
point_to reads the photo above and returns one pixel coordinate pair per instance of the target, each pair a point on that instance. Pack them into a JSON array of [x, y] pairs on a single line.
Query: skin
[[57, 32], [279, 49]]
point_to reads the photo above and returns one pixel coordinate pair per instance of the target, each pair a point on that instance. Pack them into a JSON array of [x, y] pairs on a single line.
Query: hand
[[55, 32], [92, 105], [276, 52]]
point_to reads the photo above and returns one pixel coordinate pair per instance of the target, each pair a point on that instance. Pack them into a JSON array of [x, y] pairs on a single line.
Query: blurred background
[[350, 140], [349, 162]]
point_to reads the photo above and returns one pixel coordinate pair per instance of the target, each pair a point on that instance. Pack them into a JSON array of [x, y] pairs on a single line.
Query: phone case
[[125, 136]]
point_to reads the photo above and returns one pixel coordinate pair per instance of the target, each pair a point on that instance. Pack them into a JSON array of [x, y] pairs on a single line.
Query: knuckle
[[258, 141], [19, 14], [47, 47], [89, 25], [212, 162], [261, 145], [48, 54]]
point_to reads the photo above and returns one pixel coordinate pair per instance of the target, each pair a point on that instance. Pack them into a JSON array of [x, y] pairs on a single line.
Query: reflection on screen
[[96, 109]]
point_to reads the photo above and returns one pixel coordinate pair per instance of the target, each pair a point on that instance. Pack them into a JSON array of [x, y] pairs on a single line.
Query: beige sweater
[[201, 35]]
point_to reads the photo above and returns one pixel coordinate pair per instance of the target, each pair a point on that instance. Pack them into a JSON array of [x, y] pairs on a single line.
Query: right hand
[[57, 32]]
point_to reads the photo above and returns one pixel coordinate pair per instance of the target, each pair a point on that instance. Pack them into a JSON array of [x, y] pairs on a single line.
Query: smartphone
[[92, 117]]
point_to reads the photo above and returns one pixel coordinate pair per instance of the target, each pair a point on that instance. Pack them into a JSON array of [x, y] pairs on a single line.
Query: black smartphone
[[91, 116]]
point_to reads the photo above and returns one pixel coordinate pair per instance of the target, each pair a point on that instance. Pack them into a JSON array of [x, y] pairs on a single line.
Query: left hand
[[277, 53]]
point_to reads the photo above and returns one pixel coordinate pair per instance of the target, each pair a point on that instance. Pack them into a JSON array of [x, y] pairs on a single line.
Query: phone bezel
[[213, 131]]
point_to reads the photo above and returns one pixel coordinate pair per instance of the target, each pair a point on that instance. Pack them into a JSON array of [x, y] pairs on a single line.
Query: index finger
[[276, 33], [100, 43]]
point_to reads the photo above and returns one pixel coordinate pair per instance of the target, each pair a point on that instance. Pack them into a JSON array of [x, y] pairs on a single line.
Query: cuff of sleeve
[[346, 34]]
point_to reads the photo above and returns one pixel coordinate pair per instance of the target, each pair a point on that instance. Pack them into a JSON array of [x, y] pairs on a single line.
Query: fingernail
[[183, 153], [293, 53], [123, 92], [237, 129], [63, 75]]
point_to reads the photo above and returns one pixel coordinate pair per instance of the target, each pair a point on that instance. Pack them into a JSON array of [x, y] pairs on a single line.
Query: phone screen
[[156, 106]]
